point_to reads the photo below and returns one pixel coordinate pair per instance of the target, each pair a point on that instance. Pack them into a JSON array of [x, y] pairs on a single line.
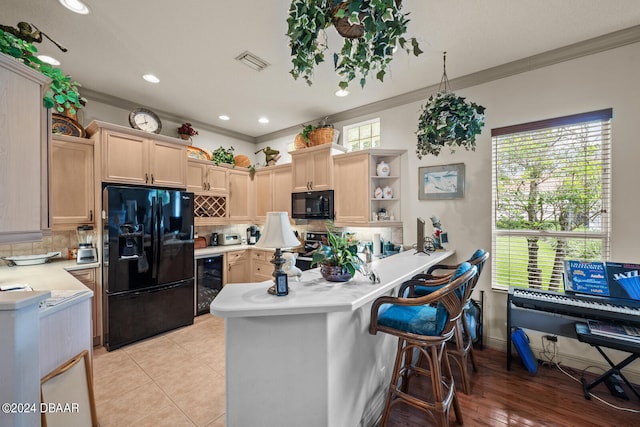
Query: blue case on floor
[[521, 342]]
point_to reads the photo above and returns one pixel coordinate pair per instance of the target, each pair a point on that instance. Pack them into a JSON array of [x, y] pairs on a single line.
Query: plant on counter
[[372, 29], [63, 92], [223, 155], [447, 119], [338, 259]]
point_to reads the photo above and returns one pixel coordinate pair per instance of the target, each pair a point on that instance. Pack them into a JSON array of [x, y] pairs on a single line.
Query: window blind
[[551, 198]]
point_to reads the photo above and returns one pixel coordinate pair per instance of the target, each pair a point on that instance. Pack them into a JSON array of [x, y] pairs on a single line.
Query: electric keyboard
[[584, 306]]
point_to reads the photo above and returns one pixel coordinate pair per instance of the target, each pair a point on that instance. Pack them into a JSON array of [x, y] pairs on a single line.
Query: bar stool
[[424, 324], [462, 341]]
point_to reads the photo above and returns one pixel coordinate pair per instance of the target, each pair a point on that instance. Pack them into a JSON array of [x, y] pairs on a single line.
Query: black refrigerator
[[148, 265]]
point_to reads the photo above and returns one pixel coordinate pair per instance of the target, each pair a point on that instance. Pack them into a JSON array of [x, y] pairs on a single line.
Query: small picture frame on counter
[[282, 284]]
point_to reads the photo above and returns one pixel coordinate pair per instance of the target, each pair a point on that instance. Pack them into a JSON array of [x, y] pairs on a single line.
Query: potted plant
[[447, 119], [372, 29], [338, 259], [186, 131], [63, 92], [223, 155]]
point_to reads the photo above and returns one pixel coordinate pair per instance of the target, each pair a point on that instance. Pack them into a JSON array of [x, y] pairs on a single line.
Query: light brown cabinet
[[88, 278], [261, 267], [72, 182], [356, 181], [24, 145], [134, 157], [204, 178], [239, 195], [238, 270], [312, 168], [273, 190]]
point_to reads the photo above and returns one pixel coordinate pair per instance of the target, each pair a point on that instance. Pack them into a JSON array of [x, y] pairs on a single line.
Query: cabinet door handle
[[90, 215], [208, 186], [152, 178], [146, 177]]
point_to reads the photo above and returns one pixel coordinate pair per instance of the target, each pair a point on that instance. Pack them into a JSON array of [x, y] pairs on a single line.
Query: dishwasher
[[208, 281]]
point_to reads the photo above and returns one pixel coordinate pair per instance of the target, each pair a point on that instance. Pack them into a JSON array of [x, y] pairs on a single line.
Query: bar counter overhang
[[308, 358]]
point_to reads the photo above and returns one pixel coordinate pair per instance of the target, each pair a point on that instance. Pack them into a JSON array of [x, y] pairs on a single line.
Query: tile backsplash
[[59, 241]]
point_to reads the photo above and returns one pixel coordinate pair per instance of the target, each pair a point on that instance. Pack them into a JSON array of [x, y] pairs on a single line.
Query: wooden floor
[[517, 398]]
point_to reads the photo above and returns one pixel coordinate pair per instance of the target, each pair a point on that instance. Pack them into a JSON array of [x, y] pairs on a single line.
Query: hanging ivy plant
[[447, 119], [372, 30]]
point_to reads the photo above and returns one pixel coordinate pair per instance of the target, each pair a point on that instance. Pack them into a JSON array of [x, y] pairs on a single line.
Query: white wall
[[604, 80]]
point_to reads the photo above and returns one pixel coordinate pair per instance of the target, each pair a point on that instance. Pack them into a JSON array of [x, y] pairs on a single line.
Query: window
[[361, 136], [550, 198]]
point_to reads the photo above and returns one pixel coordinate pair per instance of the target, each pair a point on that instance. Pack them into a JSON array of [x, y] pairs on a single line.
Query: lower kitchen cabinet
[[261, 266], [238, 270], [88, 278]]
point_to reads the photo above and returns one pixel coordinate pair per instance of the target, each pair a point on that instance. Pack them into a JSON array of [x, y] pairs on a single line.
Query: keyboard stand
[[597, 341]]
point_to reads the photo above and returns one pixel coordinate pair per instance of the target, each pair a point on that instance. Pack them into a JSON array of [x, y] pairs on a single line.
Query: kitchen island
[[308, 358], [37, 338]]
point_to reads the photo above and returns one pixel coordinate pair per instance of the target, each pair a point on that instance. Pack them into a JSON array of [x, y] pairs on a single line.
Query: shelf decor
[[186, 131], [371, 30], [447, 119]]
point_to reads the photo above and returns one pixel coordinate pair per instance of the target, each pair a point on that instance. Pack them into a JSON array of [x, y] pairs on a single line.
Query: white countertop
[[313, 294], [51, 276]]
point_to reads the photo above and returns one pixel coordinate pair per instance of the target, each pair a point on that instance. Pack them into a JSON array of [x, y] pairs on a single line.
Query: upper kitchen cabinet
[[240, 192], [367, 188], [312, 167], [273, 190], [203, 177], [24, 144], [134, 157], [72, 182]]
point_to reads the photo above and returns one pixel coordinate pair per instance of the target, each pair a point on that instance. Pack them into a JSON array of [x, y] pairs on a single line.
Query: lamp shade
[[277, 232]]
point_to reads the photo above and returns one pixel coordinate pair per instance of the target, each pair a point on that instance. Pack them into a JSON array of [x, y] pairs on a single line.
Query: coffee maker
[[253, 234], [87, 253]]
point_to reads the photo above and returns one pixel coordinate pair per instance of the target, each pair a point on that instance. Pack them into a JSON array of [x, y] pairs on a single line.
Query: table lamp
[[278, 234]]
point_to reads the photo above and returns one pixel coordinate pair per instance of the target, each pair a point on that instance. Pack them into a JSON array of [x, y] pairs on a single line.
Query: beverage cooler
[[209, 281]]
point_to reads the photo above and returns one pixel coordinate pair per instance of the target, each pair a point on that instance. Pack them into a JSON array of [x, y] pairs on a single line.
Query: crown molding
[[577, 50]]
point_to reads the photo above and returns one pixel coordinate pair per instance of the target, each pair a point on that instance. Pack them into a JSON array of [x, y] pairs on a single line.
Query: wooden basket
[[320, 136], [299, 143]]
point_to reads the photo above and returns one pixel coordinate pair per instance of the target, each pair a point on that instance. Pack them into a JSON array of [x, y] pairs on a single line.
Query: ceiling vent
[[252, 61]]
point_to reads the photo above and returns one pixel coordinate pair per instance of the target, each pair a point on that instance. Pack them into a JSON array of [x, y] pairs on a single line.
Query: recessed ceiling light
[[224, 117], [263, 120], [342, 92], [48, 60], [151, 78], [75, 6]]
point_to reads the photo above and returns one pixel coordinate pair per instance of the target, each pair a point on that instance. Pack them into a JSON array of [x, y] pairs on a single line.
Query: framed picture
[[441, 182]]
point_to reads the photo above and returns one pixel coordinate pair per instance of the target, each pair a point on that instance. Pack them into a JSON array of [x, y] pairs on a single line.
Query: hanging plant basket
[[448, 120], [345, 28]]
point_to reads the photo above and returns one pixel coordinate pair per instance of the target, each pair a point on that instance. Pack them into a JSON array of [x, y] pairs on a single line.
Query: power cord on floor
[[549, 354], [633, 411]]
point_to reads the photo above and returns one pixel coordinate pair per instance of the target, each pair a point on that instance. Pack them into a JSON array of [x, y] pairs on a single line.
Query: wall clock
[[146, 120]]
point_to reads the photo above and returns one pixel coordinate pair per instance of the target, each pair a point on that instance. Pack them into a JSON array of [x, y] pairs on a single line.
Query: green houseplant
[[372, 30], [448, 119], [63, 94], [338, 259], [223, 155]]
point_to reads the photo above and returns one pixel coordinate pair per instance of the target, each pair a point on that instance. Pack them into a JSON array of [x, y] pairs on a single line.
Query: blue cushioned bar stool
[[423, 325], [462, 342]]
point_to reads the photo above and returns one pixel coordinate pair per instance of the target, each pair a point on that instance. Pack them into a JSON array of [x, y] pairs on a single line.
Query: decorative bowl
[[334, 273]]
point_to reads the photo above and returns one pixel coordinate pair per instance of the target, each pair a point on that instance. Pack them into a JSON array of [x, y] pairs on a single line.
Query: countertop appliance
[[253, 234], [209, 282], [148, 264], [214, 239], [87, 253], [225, 239], [312, 205]]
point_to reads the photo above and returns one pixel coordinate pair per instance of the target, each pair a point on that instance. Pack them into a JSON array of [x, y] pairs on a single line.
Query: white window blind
[[551, 198]]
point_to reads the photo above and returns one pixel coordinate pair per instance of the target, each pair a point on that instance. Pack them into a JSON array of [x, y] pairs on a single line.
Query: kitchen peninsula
[[37, 338], [308, 358]]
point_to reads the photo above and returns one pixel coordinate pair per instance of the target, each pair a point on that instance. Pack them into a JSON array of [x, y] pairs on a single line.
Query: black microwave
[[312, 205]]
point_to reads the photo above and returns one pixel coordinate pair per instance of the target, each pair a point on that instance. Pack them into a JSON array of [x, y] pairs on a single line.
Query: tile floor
[[174, 379]]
